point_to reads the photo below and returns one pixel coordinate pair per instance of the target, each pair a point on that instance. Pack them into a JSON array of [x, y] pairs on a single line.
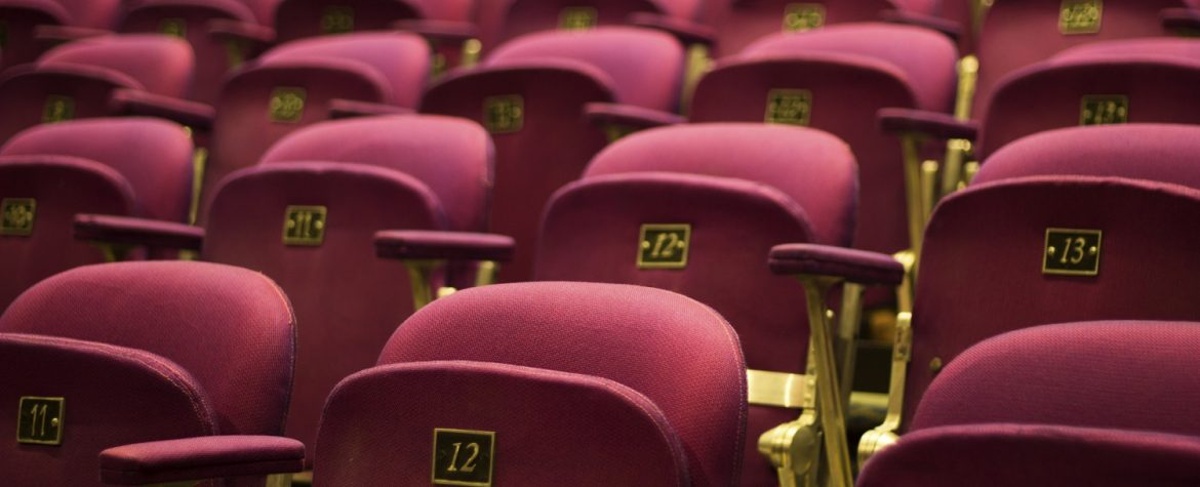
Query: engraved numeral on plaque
[[463, 457], [287, 105], [1072, 252], [17, 216], [504, 114], [58, 108], [40, 421], [173, 27], [337, 19], [664, 246], [577, 18], [791, 107], [1104, 109], [803, 16], [1080, 17], [304, 225]]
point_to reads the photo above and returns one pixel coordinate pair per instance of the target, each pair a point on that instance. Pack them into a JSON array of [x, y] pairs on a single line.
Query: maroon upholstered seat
[[531, 93], [20, 20], [48, 173], [503, 20], [570, 383], [308, 81], [139, 352], [836, 79], [82, 79], [695, 209], [1095, 403], [744, 21]]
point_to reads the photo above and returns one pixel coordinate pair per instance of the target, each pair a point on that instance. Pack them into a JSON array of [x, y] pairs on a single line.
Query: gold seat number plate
[[304, 225], [1080, 16], [1104, 109], [577, 18], [40, 421], [504, 114], [173, 28], [664, 245], [337, 19], [58, 108], [803, 16], [17, 216], [791, 107], [287, 105], [1072, 252], [463, 457]]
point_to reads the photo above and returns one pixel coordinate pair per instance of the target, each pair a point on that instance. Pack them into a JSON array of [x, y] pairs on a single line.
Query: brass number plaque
[[287, 105], [337, 20], [791, 107], [1080, 16], [304, 225], [1072, 252], [463, 457], [40, 420], [577, 18], [504, 114], [173, 27], [1103, 109], [803, 16], [664, 245], [17, 216], [58, 108]]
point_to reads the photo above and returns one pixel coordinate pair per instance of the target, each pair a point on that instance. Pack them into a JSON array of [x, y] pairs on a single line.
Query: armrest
[[856, 266], [138, 102], [439, 31], [948, 27], [56, 34], [200, 458], [256, 38], [342, 108], [602, 114], [939, 125], [123, 230], [686, 31], [432, 244], [1184, 19]]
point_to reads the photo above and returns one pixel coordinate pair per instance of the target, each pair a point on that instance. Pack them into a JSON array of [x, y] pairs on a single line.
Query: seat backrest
[[661, 345], [162, 65], [298, 19], [503, 20], [19, 20], [744, 21], [131, 166], [805, 79], [310, 226], [452, 156], [189, 20], [693, 209], [1051, 391], [230, 329], [531, 98], [1088, 90], [296, 84], [1020, 252], [1018, 33]]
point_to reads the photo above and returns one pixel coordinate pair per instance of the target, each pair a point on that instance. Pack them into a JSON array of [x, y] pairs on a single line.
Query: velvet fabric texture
[[503, 20], [208, 348], [602, 341], [743, 22], [555, 74], [22, 18]]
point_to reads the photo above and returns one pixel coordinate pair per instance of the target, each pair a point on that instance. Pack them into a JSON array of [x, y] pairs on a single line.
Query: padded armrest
[[200, 458], [342, 108], [55, 34], [257, 38], [138, 231], [949, 28], [439, 31], [938, 125], [432, 244], [686, 31], [185, 112], [1185, 19], [601, 114], [857, 266]]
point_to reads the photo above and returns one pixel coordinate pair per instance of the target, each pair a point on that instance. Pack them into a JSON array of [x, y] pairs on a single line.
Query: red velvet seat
[[20, 21]]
